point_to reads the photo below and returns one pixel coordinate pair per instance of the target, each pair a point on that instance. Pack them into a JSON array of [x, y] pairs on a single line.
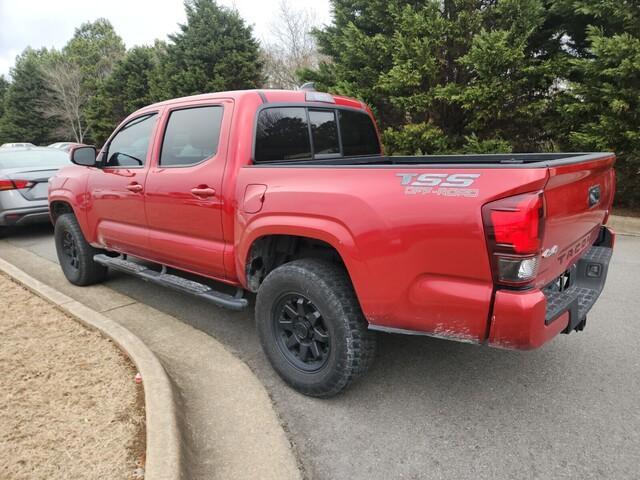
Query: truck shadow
[[411, 368], [408, 369]]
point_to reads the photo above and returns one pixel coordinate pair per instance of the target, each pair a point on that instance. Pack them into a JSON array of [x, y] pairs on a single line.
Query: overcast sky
[[51, 23]]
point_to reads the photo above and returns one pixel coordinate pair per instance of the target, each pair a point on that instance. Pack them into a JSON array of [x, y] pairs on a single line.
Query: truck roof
[[267, 95]]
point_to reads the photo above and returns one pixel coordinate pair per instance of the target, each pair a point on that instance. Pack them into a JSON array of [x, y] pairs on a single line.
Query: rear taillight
[[7, 184], [514, 227]]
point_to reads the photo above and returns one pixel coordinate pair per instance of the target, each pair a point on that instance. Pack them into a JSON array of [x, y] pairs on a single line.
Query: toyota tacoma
[[289, 195]]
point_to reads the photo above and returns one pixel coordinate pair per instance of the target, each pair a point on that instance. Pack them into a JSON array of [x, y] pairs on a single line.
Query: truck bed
[[510, 160]]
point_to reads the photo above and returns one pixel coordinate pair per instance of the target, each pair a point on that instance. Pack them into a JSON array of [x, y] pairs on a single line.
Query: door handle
[[134, 187], [203, 192]]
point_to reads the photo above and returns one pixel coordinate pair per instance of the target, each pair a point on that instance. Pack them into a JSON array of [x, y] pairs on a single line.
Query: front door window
[[129, 146]]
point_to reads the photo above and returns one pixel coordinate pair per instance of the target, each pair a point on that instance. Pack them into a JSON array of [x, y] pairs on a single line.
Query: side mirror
[[84, 156]]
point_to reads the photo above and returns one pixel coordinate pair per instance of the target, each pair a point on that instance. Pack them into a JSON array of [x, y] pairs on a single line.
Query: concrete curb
[[624, 225], [163, 454]]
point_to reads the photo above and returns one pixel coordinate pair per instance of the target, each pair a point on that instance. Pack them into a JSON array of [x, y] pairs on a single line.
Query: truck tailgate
[[578, 199]]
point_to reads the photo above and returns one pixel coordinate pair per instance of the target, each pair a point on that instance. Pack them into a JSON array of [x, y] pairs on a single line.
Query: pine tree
[[443, 75], [4, 86], [603, 109], [515, 66], [23, 119], [214, 51], [96, 47], [359, 44], [127, 89]]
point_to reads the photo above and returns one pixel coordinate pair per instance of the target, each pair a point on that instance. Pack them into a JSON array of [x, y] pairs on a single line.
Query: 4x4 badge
[[550, 252]]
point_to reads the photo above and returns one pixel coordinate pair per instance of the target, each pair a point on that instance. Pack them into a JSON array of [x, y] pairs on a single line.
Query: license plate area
[[578, 288], [564, 282]]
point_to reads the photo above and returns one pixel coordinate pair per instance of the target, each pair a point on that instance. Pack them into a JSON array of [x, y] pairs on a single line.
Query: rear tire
[[311, 327], [75, 254]]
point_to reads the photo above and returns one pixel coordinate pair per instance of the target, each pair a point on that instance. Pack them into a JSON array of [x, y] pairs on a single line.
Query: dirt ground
[[69, 405]]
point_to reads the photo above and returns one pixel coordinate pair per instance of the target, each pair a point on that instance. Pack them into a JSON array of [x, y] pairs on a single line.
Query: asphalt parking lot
[[438, 409]]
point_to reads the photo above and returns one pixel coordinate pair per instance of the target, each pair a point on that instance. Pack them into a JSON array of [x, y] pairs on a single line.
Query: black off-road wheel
[[311, 327], [75, 254]]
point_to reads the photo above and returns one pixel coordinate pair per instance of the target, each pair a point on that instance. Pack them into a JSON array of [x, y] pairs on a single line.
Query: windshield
[[31, 158]]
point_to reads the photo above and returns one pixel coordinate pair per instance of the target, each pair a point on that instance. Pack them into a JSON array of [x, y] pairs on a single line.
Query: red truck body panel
[[413, 268], [418, 261]]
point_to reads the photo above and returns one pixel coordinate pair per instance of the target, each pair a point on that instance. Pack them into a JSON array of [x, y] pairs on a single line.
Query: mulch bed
[[69, 405]]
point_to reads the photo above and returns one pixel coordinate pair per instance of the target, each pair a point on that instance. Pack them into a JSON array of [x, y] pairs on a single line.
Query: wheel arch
[[62, 202], [59, 207], [271, 251], [266, 245]]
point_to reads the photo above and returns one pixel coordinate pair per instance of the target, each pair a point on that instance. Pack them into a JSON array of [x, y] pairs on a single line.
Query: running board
[[174, 282]]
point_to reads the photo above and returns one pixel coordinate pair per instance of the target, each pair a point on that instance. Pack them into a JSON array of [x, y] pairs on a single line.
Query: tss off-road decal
[[443, 184]]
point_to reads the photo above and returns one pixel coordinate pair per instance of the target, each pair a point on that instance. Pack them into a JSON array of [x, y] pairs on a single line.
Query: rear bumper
[[527, 320], [24, 216]]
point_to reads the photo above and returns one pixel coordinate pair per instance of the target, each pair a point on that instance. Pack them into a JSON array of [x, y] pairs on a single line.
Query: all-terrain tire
[[327, 294], [75, 254]]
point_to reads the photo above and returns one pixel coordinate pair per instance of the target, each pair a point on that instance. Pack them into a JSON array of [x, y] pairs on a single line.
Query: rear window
[[358, 134], [324, 132], [301, 133]]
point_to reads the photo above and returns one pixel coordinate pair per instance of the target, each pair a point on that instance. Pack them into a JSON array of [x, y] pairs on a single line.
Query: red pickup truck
[[288, 194]]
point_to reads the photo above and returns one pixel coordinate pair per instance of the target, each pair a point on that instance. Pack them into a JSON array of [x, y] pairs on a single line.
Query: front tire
[[311, 327], [75, 254]]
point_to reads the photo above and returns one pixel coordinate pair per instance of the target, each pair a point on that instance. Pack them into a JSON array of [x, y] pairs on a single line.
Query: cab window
[[359, 135], [308, 133], [283, 134], [324, 133], [191, 136], [129, 146]]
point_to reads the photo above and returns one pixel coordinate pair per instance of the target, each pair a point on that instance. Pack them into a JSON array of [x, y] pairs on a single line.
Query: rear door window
[[282, 134], [191, 136]]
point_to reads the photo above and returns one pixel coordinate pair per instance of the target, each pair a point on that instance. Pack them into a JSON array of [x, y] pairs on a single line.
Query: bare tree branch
[[291, 47], [67, 99]]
